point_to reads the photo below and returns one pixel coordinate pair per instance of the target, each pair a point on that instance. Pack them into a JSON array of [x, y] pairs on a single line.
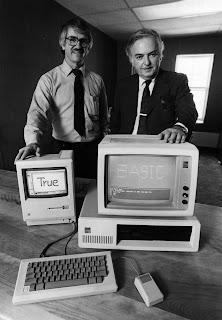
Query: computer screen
[[46, 187], [139, 178], [142, 175], [46, 182]]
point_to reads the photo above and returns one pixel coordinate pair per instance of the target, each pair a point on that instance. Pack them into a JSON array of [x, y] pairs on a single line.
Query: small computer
[[47, 188], [144, 197]]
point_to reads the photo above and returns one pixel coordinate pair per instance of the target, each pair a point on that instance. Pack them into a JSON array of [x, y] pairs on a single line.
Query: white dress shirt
[[53, 104]]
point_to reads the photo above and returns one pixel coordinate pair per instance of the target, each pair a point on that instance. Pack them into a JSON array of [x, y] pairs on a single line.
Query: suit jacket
[[170, 102]]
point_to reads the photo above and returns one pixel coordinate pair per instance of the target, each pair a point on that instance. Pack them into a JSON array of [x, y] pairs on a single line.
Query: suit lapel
[[159, 87], [132, 94]]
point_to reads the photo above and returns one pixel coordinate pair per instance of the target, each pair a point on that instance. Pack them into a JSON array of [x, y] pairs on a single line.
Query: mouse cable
[[43, 253], [130, 260]]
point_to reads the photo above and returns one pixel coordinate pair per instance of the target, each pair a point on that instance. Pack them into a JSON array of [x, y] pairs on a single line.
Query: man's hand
[[29, 150], [173, 135]]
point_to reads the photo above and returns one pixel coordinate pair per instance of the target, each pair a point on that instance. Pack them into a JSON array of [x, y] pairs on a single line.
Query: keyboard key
[[99, 279], [66, 283], [101, 273], [40, 286], [92, 280], [101, 268], [28, 282]]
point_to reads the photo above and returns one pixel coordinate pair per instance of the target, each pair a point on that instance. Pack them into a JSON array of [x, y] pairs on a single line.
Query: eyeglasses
[[72, 41]]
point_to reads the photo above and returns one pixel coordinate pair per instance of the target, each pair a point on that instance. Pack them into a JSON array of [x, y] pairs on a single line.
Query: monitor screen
[[143, 179], [46, 182]]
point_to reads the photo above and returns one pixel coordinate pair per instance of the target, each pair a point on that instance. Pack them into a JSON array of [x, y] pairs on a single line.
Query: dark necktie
[[79, 116], [142, 129]]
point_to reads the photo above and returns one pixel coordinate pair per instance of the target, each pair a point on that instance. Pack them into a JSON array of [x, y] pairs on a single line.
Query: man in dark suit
[[152, 101]]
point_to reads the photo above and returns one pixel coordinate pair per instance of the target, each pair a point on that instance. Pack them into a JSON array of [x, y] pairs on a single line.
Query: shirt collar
[[142, 81], [67, 69]]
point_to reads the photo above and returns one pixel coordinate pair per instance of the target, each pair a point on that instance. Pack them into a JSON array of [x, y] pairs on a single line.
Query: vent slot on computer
[[97, 239]]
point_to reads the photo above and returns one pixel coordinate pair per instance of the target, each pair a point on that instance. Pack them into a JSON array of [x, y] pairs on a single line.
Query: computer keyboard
[[51, 278]]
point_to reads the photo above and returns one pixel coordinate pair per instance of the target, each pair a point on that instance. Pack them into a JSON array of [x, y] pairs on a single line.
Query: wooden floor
[[209, 185]]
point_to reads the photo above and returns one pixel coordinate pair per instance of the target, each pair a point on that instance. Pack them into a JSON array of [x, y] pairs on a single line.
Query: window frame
[[206, 88]]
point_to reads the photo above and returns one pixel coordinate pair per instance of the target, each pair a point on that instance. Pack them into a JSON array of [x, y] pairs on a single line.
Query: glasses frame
[[72, 41]]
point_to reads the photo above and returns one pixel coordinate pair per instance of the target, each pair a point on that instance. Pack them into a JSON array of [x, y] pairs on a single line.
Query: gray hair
[[144, 33], [79, 25]]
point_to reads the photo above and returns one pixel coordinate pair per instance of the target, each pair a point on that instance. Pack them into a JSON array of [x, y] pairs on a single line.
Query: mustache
[[80, 50]]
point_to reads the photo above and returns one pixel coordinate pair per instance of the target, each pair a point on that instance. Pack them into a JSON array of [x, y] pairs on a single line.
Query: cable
[[74, 232], [43, 253], [130, 260]]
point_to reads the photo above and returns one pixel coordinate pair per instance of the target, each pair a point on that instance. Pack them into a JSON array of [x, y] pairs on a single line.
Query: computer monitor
[[144, 176], [144, 198], [46, 187]]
